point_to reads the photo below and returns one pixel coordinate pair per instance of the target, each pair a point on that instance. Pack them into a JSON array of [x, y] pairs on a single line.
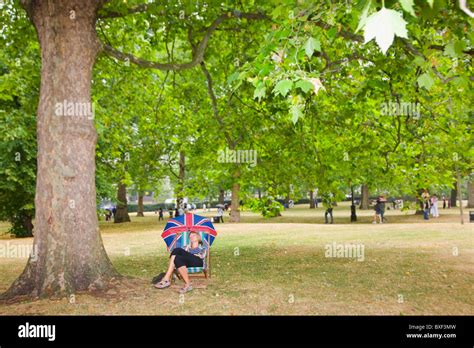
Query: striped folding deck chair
[[196, 272]]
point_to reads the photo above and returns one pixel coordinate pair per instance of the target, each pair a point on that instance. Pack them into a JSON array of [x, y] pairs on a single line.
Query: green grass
[[281, 268]]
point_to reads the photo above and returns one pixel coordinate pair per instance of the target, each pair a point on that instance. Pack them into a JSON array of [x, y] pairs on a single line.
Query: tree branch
[[215, 109], [198, 52]]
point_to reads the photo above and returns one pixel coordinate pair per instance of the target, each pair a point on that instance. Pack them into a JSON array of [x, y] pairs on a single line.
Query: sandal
[[163, 284], [185, 289]]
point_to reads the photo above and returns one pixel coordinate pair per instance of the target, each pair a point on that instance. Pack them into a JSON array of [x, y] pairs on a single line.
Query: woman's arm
[[202, 255]]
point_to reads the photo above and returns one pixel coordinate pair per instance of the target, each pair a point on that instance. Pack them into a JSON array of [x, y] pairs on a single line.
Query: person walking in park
[[220, 214], [434, 206], [108, 215], [444, 202], [160, 217], [328, 204], [379, 209]]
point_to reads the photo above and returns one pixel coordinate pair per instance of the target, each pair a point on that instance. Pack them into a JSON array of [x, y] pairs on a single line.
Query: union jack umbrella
[[187, 223]]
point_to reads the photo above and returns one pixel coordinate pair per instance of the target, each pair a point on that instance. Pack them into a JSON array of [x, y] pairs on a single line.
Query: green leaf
[[461, 82], [304, 85], [407, 6], [233, 77], [283, 87], [311, 45], [383, 26], [454, 49], [426, 81], [259, 92], [296, 112], [430, 2], [420, 61], [332, 32]]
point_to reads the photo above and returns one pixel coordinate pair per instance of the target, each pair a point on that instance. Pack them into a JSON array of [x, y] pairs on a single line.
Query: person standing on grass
[[382, 201], [328, 204], [160, 217], [220, 214], [426, 207], [434, 206], [444, 202], [108, 215], [378, 211]]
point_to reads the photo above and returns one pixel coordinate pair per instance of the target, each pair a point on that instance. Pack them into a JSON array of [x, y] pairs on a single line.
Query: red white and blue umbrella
[[187, 223]]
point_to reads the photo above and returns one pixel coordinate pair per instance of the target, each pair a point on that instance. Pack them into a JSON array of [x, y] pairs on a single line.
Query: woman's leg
[[181, 262], [183, 270], [170, 270], [171, 266]]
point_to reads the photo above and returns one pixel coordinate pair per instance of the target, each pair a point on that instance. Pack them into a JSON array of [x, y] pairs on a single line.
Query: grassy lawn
[[278, 266]]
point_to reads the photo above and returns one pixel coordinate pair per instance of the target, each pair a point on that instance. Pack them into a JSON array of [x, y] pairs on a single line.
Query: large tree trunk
[[454, 195], [288, 196], [470, 194], [364, 197], [122, 205], [140, 207], [311, 200], [235, 200], [181, 178], [221, 196], [421, 204], [458, 187], [69, 253]]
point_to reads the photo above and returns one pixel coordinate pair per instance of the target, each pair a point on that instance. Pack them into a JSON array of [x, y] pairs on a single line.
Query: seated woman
[[193, 255]]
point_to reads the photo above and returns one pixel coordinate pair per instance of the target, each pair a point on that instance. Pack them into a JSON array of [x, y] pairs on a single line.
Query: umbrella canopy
[[186, 223], [220, 205]]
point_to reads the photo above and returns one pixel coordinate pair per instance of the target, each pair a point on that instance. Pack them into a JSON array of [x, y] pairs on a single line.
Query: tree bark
[[421, 205], [364, 197], [69, 253], [458, 187], [454, 195], [140, 208], [122, 205], [470, 194], [221, 196], [287, 197], [311, 200], [181, 179]]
